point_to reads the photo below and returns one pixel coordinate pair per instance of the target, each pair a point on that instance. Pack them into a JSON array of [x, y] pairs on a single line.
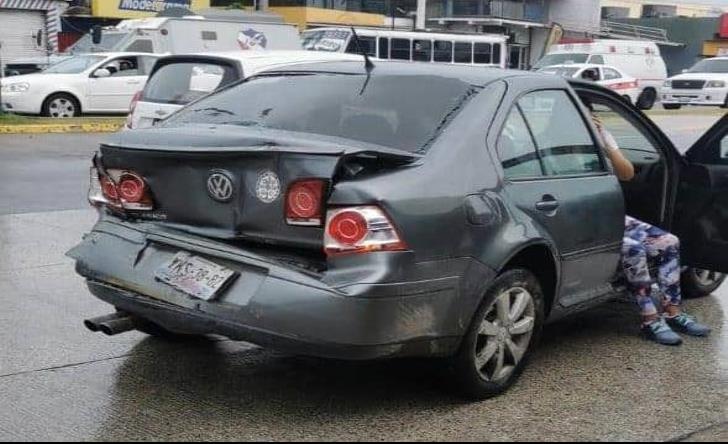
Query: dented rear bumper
[[355, 312]]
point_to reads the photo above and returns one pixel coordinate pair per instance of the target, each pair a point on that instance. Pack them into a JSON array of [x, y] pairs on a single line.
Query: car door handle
[[133, 82], [549, 204]]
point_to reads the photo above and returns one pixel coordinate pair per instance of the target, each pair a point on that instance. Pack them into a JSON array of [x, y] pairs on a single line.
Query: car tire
[[497, 346], [725, 105], [61, 106], [698, 283], [672, 106], [647, 99]]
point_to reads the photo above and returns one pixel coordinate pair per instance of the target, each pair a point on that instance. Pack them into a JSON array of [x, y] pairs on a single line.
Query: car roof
[[119, 54], [254, 61], [479, 76]]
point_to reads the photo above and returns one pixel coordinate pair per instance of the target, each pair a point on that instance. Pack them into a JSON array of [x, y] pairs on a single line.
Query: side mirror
[[97, 34], [102, 73]]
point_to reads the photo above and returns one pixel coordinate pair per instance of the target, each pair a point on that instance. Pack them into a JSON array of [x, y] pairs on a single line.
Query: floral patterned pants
[[645, 244]]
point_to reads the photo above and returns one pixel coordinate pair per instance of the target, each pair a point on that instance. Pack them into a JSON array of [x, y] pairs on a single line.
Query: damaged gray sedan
[[410, 211]]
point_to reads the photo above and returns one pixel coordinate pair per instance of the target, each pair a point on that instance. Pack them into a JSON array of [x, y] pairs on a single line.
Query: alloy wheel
[[707, 278], [505, 334]]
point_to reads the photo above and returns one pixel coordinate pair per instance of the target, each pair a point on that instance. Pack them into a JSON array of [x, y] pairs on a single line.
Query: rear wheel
[[502, 336], [647, 99], [61, 106], [672, 106], [725, 105], [698, 283]]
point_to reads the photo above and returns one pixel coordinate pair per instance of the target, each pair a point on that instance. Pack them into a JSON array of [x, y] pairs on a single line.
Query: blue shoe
[[661, 333], [688, 325]]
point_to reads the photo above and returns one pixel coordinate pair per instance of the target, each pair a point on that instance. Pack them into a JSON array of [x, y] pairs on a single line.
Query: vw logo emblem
[[268, 187], [220, 186]]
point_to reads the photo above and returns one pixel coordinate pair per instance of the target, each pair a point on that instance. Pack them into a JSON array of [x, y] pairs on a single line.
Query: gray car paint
[[462, 221]]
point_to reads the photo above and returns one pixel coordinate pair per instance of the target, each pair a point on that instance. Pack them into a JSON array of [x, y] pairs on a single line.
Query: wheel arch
[[75, 97], [539, 258]]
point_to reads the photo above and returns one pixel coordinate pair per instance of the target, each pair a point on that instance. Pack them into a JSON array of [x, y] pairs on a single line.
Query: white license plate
[[195, 276]]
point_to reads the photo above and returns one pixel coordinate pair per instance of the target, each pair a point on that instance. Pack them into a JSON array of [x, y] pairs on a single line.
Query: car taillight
[[134, 101], [120, 189], [304, 203], [362, 229]]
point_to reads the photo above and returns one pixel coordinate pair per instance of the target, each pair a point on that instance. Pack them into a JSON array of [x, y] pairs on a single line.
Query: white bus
[[459, 49]]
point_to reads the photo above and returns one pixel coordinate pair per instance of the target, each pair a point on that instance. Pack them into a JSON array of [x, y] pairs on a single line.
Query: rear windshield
[[404, 112], [182, 83], [562, 59], [563, 72]]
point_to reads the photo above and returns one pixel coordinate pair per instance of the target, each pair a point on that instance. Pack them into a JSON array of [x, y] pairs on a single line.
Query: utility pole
[[392, 9], [2, 76], [421, 22]]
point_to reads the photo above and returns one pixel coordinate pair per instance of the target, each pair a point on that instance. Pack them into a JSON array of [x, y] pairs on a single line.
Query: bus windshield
[[562, 59], [326, 40]]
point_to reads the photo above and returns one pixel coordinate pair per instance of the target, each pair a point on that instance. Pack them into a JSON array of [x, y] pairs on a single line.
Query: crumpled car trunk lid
[[177, 164]]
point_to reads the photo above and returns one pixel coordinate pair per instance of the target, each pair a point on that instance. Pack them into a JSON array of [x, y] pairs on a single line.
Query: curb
[[61, 128]]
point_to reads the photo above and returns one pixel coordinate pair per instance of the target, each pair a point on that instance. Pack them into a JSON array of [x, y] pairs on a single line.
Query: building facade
[[636, 9], [29, 28]]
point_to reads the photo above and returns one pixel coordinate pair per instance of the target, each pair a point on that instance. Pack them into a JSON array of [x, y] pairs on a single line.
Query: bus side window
[[597, 60], [497, 52], [422, 51], [483, 53], [383, 47], [443, 51], [464, 52], [368, 45], [401, 49]]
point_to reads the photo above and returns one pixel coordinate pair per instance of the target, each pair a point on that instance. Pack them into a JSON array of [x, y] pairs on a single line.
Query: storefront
[[29, 28], [129, 9]]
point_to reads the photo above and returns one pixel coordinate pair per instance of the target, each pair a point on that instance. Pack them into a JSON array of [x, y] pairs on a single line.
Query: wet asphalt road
[[592, 378]]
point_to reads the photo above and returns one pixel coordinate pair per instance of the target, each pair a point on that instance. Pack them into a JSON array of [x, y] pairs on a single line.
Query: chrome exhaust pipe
[[112, 324]]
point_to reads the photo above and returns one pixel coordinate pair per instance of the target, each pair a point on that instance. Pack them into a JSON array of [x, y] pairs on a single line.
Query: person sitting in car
[[645, 244]]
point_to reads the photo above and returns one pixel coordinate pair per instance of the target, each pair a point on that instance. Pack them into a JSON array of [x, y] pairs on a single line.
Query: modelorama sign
[[142, 8], [153, 5]]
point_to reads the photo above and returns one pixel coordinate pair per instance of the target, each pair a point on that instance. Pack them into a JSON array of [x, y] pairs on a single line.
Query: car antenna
[[368, 64]]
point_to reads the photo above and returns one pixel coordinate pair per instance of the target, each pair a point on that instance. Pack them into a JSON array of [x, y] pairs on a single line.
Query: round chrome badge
[[268, 187], [220, 186]]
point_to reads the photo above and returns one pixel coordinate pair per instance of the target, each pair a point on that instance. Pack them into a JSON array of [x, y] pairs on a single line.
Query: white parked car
[[179, 80], [90, 84], [608, 76], [705, 84], [639, 59]]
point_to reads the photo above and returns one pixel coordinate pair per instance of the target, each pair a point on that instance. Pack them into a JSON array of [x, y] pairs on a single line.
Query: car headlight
[[667, 84], [715, 84], [16, 87]]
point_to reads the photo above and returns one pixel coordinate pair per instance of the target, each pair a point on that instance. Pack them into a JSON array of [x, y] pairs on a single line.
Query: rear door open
[[701, 211]]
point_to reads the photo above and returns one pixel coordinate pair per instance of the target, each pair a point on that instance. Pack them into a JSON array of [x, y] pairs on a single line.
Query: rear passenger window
[[401, 49], [422, 51], [565, 144], [463, 52], [383, 48], [483, 53], [443, 52], [517, 150]]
